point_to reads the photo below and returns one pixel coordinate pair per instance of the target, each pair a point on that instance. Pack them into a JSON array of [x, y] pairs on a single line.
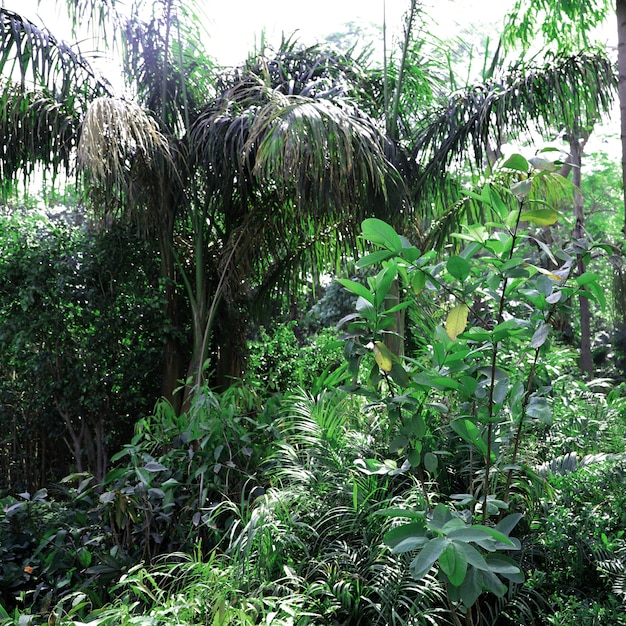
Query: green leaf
[[421, 564], [522, 188], [456, 321], [540, 217], [540, 335], [453, 562], [586, 278], [542, 165], [458, 267], [374, 258], [397, 512], [517, 162], [471, 588], [505, 566], [418, 281], [468, 431], [381, 233], [430, 462], [366, 309], [358, 289], [474, 557], [493, 584]]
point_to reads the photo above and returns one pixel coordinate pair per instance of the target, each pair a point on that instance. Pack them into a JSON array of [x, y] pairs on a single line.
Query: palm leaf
[[568, 91]]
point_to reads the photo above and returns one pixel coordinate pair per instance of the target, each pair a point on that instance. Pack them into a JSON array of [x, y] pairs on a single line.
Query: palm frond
[[30, 54], [569, 92], [38, 130], [113, 132]]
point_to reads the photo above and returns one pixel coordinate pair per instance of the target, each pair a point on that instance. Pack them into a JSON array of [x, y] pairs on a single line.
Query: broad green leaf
[[436, 382], [366, 309], [510, 328], [471, 588], [493, 584], [474, 557], [430, 462], [418, 281], [421, 564], [517, 162], [398, 375], [381, 283], [500, 390], [153, 466], [409, 544], [469, 432], [540, 217], [542, 165], [383, 356], [381, 233], [586, 278], [374, 258], [456, 321], [522, 188], [504, 566], [476, 534], [358, 289], [596, 290], [539, 408], [453, 562], [458, 267], [397, 512], [540, 335]]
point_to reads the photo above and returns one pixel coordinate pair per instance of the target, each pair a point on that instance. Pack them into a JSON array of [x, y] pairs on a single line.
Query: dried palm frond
[[114, 132]]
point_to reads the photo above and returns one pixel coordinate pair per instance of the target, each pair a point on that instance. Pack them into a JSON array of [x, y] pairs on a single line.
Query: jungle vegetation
[[316, 339]]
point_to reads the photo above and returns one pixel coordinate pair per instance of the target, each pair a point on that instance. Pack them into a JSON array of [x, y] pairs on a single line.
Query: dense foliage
[[314, 351]]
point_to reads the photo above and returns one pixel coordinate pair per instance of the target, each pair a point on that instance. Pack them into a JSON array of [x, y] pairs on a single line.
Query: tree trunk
[[577, 143], [620, 9]]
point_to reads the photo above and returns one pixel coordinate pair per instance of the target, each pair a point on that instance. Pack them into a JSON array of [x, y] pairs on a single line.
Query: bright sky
[[235, 25]]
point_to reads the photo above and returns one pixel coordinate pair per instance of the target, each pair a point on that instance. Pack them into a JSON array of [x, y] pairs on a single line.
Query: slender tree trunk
[[577, 143], [620, 9]]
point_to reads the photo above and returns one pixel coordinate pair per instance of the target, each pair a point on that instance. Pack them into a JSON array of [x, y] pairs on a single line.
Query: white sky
[[235, 25]]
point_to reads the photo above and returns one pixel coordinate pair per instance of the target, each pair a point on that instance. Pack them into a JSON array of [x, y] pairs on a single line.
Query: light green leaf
[[421, 564], [453, 562], [456, 321], [517, 162], [540, 217], [383, 356], [381, 233]]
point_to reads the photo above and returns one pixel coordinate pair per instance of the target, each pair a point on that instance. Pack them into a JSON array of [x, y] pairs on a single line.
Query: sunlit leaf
[[456, 321]]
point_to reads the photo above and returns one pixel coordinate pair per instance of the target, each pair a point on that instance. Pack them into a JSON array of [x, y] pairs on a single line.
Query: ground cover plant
[[309, 349], [403, 490]]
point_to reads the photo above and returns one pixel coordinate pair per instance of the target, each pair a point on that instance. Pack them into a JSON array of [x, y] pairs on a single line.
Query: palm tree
[[239, 184], [248, 178]]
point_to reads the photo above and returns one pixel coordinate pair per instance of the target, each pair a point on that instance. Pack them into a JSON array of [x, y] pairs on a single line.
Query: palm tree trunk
[[620, 9], [577, 143]]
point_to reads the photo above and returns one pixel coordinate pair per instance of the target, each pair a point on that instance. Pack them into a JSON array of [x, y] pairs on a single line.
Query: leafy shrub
[[281, 362], [80, 346]]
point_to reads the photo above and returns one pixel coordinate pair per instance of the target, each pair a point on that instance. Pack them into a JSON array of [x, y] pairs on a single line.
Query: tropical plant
[[466, 384], [80, 322]]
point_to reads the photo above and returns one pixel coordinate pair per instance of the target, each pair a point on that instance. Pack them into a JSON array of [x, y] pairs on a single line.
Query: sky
[[235, 26]]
